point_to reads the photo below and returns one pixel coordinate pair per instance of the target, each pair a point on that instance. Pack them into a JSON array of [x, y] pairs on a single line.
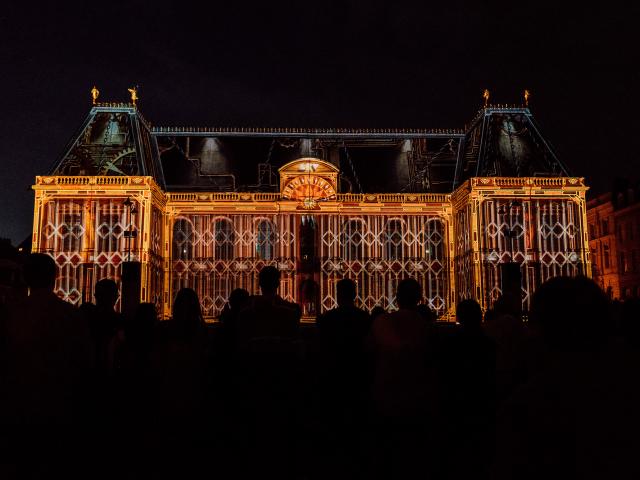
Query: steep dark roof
[[507, 142], [501, 141], [113, 140]]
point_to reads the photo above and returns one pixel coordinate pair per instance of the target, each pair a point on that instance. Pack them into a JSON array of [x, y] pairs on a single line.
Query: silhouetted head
[[377, 311], [469, 314], [408, 294], [269, 280], [40, 272], [106, 293], [187, 314], [238, 298], [345, 292], [570, 313]]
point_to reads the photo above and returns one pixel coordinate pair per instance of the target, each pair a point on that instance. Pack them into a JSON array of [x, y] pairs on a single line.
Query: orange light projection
[[308, 186], [308, 179]]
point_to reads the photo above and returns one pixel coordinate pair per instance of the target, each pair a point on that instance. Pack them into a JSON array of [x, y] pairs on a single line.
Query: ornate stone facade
[[192, 222]]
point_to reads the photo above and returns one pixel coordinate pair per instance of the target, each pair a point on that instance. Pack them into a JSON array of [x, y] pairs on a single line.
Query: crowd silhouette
[[88, 392]]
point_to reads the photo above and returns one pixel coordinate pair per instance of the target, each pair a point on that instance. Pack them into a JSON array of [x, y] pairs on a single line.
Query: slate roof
[[115, 139]]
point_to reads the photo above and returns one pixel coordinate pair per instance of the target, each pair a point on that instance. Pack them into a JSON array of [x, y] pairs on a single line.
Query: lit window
[[265, 240], [225, 238], [624, 266], [352, 241], [434, 240], [393, 240], [182, 239]]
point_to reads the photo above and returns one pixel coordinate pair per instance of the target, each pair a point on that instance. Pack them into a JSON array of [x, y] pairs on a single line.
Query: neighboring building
[[614, 240], [209, 207]]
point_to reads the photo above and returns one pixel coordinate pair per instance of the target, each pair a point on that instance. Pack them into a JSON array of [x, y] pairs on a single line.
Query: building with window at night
[[614, 241], [207, 208]]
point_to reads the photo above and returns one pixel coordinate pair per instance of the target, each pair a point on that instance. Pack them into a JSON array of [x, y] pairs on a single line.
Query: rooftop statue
[[95, 93], [486, 95], [134, 95]]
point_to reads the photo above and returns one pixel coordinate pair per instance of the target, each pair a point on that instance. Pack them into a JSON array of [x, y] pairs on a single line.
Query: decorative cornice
[[315, 132]]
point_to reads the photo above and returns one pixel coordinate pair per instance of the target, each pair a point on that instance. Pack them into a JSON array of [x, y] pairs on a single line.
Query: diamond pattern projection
[[64, 236], [463, 256], [214, 255], [376, 252], [542, 236]]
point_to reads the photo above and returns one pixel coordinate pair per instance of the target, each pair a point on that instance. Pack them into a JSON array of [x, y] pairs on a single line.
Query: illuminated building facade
[[209, 207], [614, 241]]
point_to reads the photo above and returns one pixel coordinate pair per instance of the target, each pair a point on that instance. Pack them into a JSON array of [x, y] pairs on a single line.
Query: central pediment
[[308, 178]]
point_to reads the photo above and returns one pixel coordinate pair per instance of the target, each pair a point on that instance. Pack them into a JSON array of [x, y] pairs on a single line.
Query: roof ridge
[[298, 130]]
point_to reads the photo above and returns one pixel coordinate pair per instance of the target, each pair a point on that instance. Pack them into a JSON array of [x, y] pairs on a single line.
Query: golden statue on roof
[[526, 95], [486, 95], [95, 93], [134, 95]]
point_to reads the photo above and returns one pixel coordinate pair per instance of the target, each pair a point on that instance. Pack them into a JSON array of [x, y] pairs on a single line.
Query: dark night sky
[[349, 63]]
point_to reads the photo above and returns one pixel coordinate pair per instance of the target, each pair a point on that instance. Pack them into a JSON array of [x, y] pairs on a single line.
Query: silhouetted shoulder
[[294, 307]]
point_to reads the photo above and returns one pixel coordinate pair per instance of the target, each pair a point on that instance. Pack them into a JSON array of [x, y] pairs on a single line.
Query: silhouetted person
[[376, 312], [268, 317], [577, 417], [403, 383], [48, 353], [186, 322], [467, 379], [106, 325], [504, 326], [474, 363], [238, 300], [135, 376], [140, 330], [139, 334], [343, 329], [268, 354], [180, 359], [342, 365]]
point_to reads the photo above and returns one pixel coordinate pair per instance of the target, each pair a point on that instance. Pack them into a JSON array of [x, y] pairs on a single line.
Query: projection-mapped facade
[[208, 208]]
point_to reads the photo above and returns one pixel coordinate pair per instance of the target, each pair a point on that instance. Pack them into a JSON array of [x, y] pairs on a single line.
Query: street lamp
[[130, 233]]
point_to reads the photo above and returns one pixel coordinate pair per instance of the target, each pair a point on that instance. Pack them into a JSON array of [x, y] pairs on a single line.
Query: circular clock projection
[[308, 186]]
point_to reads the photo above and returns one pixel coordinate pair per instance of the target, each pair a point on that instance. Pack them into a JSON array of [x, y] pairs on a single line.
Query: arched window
[[182, 239], [393, 240], [108, 232], [434, 240], [352, 240], [68, 226], [224, 236], [265, 240]]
